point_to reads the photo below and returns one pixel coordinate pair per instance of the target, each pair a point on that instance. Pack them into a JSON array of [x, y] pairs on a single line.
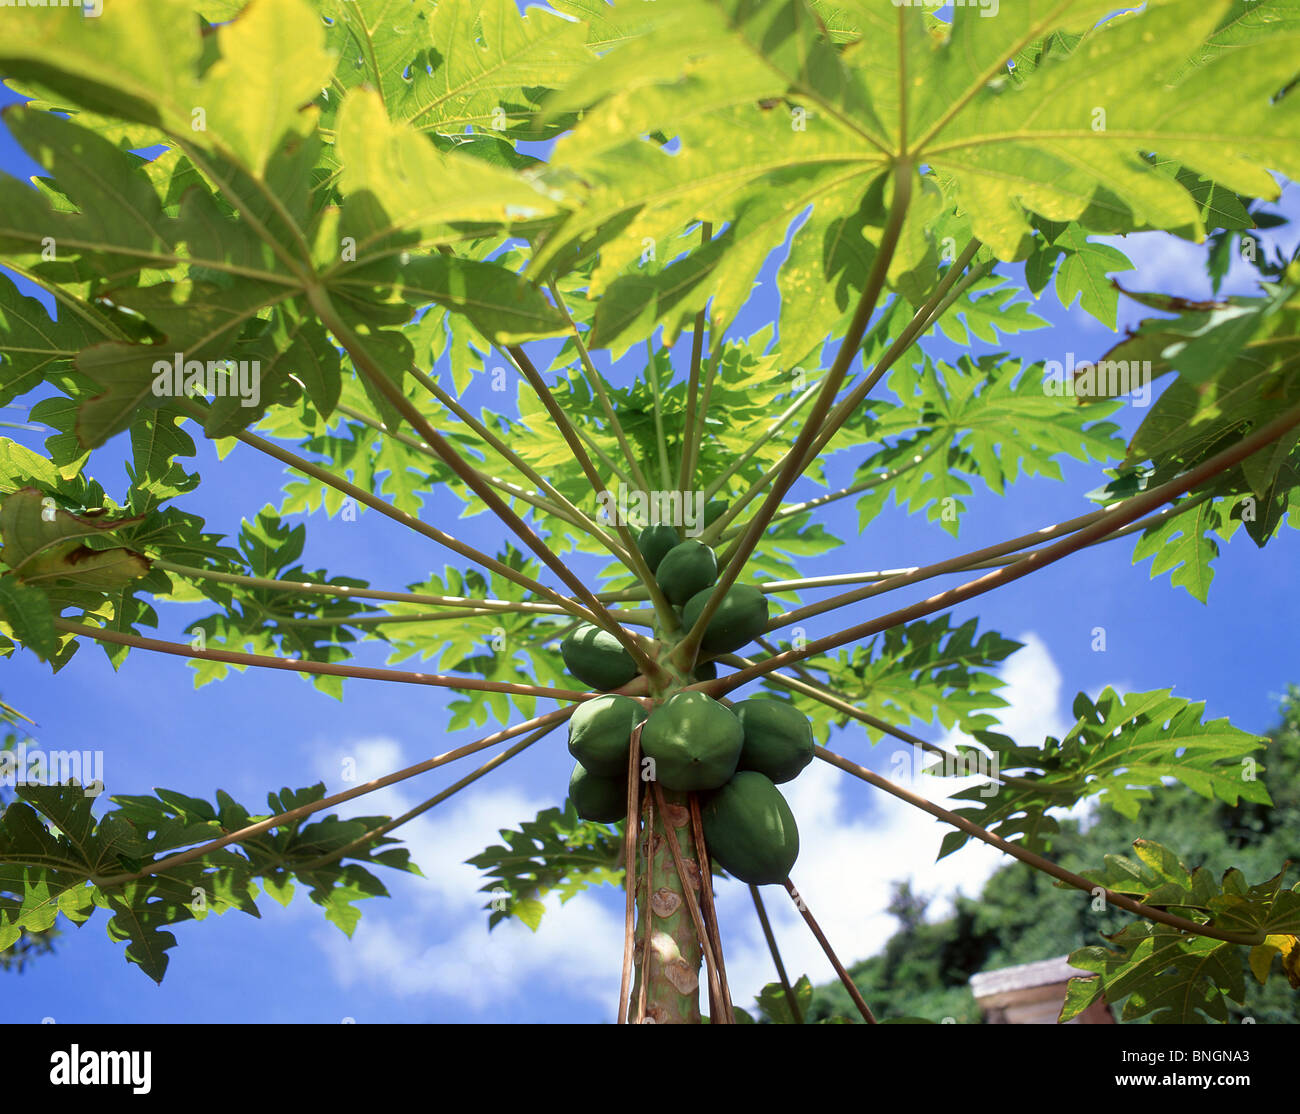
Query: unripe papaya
[[714, 509], [686, 569], [654, 542], [603, 799], [778, 738], [694, 741], [600, 734], [750, 829], [706, 671], [597, 658], [740, 618]]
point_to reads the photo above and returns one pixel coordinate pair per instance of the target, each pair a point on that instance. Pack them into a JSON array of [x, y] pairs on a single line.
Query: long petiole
[[840, 970], [806, 684], [1027, 856], [374, 502], [579, 440], [790, 1000], [303, 811], [500, 447], [778, 423], [631, 618], [694, 448], [950, 287], [366, 365], [321, 668], [343, 591], [598, 387], [1112, 518], [686, 465], [661, 442], [569, 514], [990, 557], [844, 358], [631, 555], [915, 573], [437, 799], [790, 510]]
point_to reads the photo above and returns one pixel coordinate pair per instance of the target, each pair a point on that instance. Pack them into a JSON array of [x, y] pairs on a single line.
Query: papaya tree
[[308, 230]]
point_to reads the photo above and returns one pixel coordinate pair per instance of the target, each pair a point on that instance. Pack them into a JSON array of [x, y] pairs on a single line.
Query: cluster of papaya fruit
[[734, 756]]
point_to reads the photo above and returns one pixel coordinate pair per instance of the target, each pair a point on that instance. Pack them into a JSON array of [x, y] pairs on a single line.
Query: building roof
[[1043, 973]]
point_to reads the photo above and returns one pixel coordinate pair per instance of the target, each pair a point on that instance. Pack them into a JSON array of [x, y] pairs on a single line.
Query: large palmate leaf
[[1183, 546], [925, 671], [555, 851], [498, 646], [463, 63], [989, 310], [236, 267], [95, 561], [1119, 749], [1082, 268], [27, 614], [1176, 978], [1238, 364], [48, 547], [32, 346], [1163, 972], [807, 121], [989, 418], [432, 191], [56, 857], [1205, 338], [1246, 23], [307, 626]]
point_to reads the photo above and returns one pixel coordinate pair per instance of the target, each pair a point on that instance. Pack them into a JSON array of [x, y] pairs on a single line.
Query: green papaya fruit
[[740, 618], [778, 738], [654, 542], [686, 569], [706, 671], [694, 741], [750, 829], [600, 733], [602, 799], [714, 509], [597, 658]]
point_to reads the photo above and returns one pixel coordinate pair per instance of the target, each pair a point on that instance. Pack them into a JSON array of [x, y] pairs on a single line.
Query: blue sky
[[426, 955]]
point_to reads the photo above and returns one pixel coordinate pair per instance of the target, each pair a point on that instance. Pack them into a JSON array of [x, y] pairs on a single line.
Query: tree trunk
[[671, 977]]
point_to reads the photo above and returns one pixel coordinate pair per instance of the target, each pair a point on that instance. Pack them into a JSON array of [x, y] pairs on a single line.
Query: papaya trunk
[[668, 953]]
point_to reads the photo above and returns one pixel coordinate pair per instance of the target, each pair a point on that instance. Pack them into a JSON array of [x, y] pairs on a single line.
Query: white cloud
[[1165, 264], [577, 950], [441, 839], [1169, 265]]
